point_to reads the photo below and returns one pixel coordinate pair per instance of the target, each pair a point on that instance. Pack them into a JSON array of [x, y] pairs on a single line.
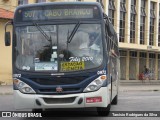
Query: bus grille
[[59, 80], [54, 90], [59, 100]]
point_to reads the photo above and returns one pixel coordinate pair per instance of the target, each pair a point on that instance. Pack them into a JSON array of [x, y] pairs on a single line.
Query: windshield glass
[[61, 48]]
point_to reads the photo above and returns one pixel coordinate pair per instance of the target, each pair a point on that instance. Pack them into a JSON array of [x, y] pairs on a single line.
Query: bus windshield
[[34, 52]]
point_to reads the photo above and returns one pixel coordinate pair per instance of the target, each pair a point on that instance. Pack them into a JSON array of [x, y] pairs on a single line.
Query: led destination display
[[57, 14]]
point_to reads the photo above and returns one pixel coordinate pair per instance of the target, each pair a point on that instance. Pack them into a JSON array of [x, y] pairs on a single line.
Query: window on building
[[151, 33], [122, 5], [143, 4], [123, 53], [133, 54], [152, 20], [39, 1], [133, 6], [111, 11], [159, 29], [152, 55], [142, 30], [152, 10], [122, 21], [142, 22], [22, 2], [159, 56], [132, 21], [143, 55]]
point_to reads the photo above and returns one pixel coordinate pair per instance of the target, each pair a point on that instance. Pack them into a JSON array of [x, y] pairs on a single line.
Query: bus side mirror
[[7, 39], [7, 34]]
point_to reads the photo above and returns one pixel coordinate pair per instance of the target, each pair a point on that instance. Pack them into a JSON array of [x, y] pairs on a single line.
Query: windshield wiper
[[69, 38], [42, 32]]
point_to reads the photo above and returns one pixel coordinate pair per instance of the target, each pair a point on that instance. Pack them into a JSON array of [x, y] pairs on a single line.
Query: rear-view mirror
[[7, 34], [7, 39]]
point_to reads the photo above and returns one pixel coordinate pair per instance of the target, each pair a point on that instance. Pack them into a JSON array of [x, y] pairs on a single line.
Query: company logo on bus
[[59, 89]]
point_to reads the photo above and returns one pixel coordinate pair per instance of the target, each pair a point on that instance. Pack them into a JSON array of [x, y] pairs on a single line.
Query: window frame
[[122, 21], [111, 10], [152, 22], [133, 22]]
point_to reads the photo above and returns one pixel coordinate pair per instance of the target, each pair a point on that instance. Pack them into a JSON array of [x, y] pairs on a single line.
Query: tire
[[115, 100], [104, 111]]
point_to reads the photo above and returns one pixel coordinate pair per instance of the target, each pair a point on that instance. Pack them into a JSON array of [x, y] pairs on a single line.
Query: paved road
[[128, 101]]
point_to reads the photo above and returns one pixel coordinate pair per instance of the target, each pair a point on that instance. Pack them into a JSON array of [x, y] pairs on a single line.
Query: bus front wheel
[[104, 111]]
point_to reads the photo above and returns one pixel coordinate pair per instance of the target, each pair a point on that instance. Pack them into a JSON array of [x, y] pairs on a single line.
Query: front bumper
[[28, 101]]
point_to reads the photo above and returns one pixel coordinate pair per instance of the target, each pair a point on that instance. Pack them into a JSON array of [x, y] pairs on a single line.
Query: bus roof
[[59, 3]]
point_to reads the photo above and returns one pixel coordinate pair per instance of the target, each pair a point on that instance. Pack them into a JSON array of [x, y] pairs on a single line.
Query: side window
[[109, 42], [110, 35], [107, 37], [116, 43], [112, 43]]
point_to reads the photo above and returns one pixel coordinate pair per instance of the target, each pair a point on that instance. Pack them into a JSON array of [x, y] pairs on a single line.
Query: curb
[[138, 90], [7, 93]]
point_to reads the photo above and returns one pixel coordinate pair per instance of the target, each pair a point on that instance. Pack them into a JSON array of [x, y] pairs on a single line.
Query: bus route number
[[29, 14]]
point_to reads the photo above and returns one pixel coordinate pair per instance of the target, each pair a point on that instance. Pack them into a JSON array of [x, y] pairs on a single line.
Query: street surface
[[128, 101]]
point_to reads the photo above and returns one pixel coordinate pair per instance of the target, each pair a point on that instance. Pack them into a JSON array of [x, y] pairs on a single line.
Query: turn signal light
[[15, 81], [103, 77]]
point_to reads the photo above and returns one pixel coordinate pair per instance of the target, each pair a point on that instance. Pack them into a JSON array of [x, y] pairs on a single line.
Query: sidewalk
[[8, 89]]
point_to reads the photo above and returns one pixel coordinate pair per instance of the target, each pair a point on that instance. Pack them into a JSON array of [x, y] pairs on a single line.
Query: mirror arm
[[8, 23]]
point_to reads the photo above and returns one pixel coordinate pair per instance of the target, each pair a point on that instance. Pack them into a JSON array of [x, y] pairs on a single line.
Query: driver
[[93, 41]]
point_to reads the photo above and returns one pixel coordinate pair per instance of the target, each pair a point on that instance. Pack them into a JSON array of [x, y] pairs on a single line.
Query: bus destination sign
[[50, 14]]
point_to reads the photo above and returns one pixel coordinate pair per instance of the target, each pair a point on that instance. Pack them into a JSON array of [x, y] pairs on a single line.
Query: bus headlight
[[23, 87], [96, 84]]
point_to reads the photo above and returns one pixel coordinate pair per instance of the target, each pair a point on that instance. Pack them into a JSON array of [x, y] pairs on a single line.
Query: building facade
[[137, 23]]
